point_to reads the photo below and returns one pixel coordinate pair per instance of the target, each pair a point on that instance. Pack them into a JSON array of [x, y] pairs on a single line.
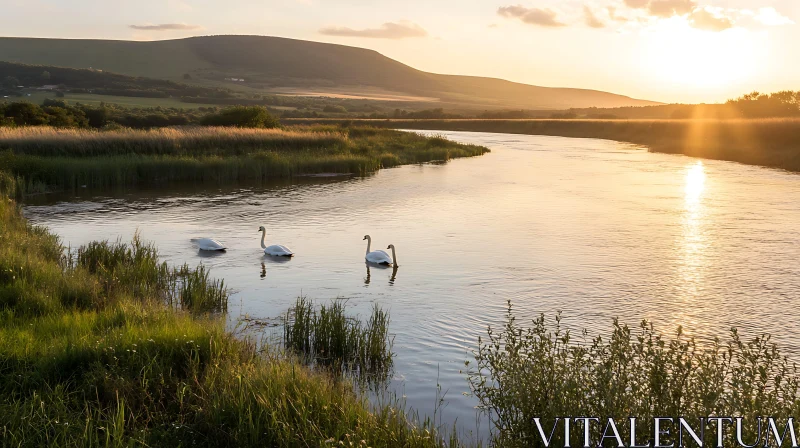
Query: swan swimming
[[275, 250], [209, 244], [394, 256], [378, 256]]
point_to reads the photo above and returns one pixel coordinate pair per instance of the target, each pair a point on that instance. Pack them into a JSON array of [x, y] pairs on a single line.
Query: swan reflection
[[368, 277]]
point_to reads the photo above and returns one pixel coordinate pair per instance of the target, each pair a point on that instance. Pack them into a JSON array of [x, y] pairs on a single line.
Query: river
[[592, 228]]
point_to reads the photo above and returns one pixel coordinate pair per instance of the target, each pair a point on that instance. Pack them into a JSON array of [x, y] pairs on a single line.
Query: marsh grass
[[327, 337], [135, 269], [192, 141], [773, 142], [538, 369], [90, 355], [46, 159]]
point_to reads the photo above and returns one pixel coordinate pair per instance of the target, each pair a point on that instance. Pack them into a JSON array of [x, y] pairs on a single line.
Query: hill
[[297, 67]]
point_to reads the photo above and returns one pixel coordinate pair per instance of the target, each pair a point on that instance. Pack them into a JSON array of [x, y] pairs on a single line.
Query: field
[[47, 159], [126, 101], [768, 142]]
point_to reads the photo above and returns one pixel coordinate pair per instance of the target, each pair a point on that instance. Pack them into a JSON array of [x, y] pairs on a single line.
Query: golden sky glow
[[663, 50]]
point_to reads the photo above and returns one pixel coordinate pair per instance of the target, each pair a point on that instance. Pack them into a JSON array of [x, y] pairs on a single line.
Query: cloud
[[771, 17], [531, 16], [167, 27], [670, 8], [612, 13], [637, 4], [389, 30], [703, 19], [591, 18]]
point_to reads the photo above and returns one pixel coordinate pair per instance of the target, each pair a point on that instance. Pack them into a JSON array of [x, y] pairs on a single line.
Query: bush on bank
[[524, 371]]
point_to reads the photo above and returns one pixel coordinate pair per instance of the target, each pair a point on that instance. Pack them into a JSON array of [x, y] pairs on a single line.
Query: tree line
[[58, 113]]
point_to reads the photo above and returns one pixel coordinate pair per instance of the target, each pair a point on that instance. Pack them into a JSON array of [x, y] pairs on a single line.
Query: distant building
[[48, 87], [235, 79]]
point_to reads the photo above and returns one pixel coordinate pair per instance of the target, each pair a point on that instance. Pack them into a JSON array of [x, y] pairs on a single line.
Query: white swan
[[394, 256], [209, 244], [275, 250], [378, 256]]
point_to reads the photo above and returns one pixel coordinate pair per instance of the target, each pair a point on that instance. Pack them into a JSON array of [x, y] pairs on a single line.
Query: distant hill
[[273, 64]]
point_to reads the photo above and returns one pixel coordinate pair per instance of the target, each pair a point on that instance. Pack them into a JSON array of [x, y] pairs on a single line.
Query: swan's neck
[[369, 243], [263, 235], [394, 257]]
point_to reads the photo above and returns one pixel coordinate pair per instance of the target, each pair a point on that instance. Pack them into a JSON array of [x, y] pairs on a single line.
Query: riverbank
[[48, 159], [773, 143], [92, 355]]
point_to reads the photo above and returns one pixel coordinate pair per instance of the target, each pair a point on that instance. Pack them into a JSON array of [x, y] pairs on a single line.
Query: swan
[[209, 244], [275, 250], [378, 256], [394, 256]]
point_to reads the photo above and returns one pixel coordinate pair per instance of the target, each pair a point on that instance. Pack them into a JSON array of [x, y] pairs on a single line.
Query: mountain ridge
[[270, 64]]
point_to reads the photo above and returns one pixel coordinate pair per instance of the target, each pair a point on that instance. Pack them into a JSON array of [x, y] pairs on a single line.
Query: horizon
[[668, 51]]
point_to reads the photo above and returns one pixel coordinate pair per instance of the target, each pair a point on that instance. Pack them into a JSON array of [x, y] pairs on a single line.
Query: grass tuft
[[327, 337]]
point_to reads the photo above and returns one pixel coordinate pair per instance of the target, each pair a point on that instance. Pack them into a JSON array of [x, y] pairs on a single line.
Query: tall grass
[[523, 371], [327, 337], [45, 159], [50, 142], [771, 142], [90, 355], [135, 269]]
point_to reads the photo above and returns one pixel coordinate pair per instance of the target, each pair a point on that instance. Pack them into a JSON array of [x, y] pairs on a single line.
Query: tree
[[336, 109], [26, 114], [45, 76], [61, 117], [10, 82], [242, 117], [97, 116], [187, 76]]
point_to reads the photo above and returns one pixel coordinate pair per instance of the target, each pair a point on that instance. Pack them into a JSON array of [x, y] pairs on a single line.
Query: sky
[[685, 51]]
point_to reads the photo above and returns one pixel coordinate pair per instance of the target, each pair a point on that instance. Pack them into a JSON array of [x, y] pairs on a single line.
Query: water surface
[[592, 228]]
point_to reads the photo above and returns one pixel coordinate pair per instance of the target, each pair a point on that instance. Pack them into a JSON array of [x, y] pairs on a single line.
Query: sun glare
[[681, 55], [695, 182]]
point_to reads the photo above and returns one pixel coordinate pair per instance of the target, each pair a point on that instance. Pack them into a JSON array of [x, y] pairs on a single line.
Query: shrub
[[539, 371], [242, 117]]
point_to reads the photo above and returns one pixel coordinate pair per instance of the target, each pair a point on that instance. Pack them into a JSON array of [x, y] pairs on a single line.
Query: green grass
[[328, 338], [48, 159], [536, 369], [91, 355], [768, 142]]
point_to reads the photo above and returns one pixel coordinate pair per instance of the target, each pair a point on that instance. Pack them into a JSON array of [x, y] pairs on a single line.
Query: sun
[[678, 54]]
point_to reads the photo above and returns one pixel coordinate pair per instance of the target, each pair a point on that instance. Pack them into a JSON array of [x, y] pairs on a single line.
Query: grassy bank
[[51, 159], [92, 355], [767, 142]]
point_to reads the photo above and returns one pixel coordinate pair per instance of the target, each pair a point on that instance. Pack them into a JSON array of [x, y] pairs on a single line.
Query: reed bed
[[537, 369], [91, 356], [50, 142], [773, 142], [326, 337], [118, 159]]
